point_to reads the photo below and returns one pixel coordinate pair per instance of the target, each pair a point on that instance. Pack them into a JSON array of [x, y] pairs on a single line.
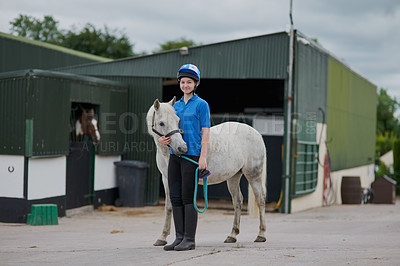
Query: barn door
[[80, 163], [80, 175]]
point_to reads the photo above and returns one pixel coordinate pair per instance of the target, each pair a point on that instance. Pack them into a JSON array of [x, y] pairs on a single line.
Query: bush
[[382, 170], [384, 143]]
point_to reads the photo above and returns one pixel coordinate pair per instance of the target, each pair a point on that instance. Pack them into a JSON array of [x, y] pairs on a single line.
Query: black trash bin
[[131, 180]]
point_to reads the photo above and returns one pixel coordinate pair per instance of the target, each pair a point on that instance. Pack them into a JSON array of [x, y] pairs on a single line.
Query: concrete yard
[[337, 235]]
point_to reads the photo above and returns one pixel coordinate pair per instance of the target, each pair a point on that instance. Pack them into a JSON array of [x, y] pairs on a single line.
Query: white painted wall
[[104, 172], [12, 176], [46, 177], [366, 174]]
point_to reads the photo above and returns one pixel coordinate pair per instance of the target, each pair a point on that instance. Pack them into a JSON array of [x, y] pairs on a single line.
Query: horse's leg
[[237, 200], [257, 184], [162, 240]]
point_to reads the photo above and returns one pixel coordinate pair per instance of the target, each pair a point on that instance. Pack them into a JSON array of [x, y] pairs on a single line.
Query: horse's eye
[[161, 124]]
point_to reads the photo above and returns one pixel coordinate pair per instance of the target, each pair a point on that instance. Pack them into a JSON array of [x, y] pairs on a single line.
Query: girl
[[194, 114]]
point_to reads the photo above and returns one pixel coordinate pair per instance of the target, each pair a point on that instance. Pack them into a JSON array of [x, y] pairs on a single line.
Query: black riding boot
[[188, 241], [178, 215]]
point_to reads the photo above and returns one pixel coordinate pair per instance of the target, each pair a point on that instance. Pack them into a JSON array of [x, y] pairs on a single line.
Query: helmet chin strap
[[194, 90]]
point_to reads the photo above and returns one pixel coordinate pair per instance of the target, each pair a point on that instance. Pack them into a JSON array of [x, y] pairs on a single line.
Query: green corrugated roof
[[59, 75], [260, 57], [54, 47]]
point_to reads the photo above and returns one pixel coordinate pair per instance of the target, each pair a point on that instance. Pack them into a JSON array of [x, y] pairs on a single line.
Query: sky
[[365, 34]]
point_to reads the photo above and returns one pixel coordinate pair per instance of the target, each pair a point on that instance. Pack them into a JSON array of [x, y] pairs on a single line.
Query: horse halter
[[161, 135]]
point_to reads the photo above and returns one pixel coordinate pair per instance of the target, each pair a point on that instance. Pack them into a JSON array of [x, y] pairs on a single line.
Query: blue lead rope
[[196, 185]]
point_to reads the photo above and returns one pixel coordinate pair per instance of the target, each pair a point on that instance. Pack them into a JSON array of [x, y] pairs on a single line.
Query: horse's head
[[89, 126], [163, 121]]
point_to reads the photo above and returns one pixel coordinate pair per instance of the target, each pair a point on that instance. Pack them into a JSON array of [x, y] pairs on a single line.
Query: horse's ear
[[172, 102], [84, 112], [156, 104]]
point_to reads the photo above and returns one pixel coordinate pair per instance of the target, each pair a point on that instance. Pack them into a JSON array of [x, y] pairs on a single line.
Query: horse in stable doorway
[[87, 125]]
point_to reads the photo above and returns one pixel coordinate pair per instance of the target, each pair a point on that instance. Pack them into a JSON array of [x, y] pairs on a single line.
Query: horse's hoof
[[160, 243], [230, 239], [260, 239]]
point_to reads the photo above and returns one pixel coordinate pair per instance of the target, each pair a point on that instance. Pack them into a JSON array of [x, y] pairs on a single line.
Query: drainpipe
[[288, 126]]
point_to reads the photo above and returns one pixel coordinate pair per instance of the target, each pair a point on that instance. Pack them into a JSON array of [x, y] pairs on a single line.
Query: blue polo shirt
[[194, 115]]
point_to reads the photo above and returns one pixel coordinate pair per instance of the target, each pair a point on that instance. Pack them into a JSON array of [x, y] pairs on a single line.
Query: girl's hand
[[164, 140], [202, 163]]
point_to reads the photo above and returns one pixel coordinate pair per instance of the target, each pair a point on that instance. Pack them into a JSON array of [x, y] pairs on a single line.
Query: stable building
[[333, 110], [40, 160]]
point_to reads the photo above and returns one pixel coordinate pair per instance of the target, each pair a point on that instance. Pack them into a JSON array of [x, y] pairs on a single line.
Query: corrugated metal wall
[[351, 118], [36, 112], [19, 53], [36, 107], [12, 115], [311, 87], [263, 57], [139, 144], [48, 108]]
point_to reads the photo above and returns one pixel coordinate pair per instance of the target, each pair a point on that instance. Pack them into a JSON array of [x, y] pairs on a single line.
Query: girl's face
[[187, 85]]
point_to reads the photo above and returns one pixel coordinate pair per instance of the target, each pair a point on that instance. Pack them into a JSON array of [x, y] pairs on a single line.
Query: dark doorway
[[80, 161], [274, 167], [80, 175], [235, 95], [241, 100]]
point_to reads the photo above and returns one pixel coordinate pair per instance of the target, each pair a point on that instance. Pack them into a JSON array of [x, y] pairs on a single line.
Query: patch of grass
[[239, 245]]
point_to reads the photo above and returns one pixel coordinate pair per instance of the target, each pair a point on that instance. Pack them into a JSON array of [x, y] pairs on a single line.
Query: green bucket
[[43, 214]]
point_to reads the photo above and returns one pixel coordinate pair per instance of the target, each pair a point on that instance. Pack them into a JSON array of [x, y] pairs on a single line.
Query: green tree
[[386, 108], [387, 125], [99, 42], [107, 43], [45, 30], [175, 44], [384, 143], [387, 129]]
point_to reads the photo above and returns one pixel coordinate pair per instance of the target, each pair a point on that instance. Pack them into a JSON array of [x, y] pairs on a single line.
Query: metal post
[[289, 117]]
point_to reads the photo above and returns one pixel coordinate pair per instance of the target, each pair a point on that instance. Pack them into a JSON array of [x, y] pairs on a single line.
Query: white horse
[[234, 149]]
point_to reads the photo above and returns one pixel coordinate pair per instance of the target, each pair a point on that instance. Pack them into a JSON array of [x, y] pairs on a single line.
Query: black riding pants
[[181, 179]]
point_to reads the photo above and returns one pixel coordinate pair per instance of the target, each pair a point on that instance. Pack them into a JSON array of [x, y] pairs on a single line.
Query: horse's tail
[[252, 201]]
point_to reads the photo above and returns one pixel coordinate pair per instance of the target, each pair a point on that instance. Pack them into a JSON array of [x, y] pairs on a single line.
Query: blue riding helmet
[[189, 71]]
